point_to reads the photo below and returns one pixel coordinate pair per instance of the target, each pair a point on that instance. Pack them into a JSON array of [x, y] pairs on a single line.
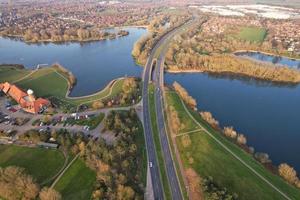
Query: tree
[[241, 139], [207, 116], [49, 194], [125, 193], [97, 105], [230, 132], [16, 184], [288, 173], [184, 95]]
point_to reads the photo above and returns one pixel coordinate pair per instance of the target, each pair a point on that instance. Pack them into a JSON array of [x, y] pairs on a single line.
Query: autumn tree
[[230, 132], [184, 95], [241, 139], [207, 116], [288, 173], [16, 184], [49, 194]]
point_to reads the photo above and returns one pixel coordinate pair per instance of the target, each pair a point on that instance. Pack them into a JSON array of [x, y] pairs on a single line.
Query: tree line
[[15, 183]]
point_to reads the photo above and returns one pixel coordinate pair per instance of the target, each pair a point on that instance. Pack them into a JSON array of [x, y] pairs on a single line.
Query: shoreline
[[21, 38], [231, 74], [266, 53]]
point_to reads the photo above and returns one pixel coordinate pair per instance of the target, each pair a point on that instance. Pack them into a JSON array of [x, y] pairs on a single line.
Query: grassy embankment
[[77, 182], [41, 164], [158, 148], [211, 159], [252, 34], [48, 82]]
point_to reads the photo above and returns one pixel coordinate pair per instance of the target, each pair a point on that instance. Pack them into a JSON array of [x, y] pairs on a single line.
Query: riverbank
[[267, 53], [62, 39], [233, 74], [235, 66]]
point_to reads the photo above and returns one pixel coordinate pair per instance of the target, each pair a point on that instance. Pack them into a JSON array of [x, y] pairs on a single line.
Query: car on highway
[[150, 164]]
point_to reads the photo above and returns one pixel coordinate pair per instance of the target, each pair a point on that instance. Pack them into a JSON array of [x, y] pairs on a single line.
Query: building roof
[[26, 101]]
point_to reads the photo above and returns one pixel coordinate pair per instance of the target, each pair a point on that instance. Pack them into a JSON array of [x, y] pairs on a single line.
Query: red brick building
[[27, 101]]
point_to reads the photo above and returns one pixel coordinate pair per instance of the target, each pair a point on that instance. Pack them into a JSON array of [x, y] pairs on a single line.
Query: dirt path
[[59, 172], [63, 172]]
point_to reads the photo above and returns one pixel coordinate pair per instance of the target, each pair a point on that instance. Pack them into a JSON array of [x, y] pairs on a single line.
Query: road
[[170, 168]]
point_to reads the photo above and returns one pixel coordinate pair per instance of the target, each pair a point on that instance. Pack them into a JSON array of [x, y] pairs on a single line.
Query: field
[[212, 159], [42, 164], [77, 183], [12, 73], [48, 82], [252, 34]]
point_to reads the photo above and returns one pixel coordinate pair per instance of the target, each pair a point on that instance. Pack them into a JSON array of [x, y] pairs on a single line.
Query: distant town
[[150, 99]]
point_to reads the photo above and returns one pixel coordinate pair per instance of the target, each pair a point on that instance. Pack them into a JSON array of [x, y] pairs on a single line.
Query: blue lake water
[[267, 114], [293, 63], [94, 64]]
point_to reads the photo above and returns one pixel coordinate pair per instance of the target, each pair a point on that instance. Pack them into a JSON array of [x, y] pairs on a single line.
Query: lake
[[94, 64], [277, 60]]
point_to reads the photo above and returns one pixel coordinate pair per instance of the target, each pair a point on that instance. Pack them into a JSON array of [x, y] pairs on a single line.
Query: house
[[27, 101]]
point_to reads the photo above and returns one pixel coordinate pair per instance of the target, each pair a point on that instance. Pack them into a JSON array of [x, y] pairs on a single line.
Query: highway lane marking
[[234, 155]]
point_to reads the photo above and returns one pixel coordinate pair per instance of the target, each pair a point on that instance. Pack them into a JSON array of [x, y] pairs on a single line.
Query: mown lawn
[[77, 182], [11, 73], [211, 159], [41, 164], [252, 34], [46, 82]]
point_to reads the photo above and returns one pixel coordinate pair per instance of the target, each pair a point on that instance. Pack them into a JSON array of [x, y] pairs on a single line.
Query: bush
[[262, 157]]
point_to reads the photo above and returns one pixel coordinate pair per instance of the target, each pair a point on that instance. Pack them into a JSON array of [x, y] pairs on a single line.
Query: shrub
[[262, 157], [186, 140]]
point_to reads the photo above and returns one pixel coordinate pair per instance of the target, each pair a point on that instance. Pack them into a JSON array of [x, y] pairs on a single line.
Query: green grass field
[[47, 82], [77, 183], [211, 159], [41, 164], [11, 73], [161, 162], [252, 34]]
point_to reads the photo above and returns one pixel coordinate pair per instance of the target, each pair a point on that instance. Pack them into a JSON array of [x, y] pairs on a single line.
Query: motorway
[[158, 80]]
